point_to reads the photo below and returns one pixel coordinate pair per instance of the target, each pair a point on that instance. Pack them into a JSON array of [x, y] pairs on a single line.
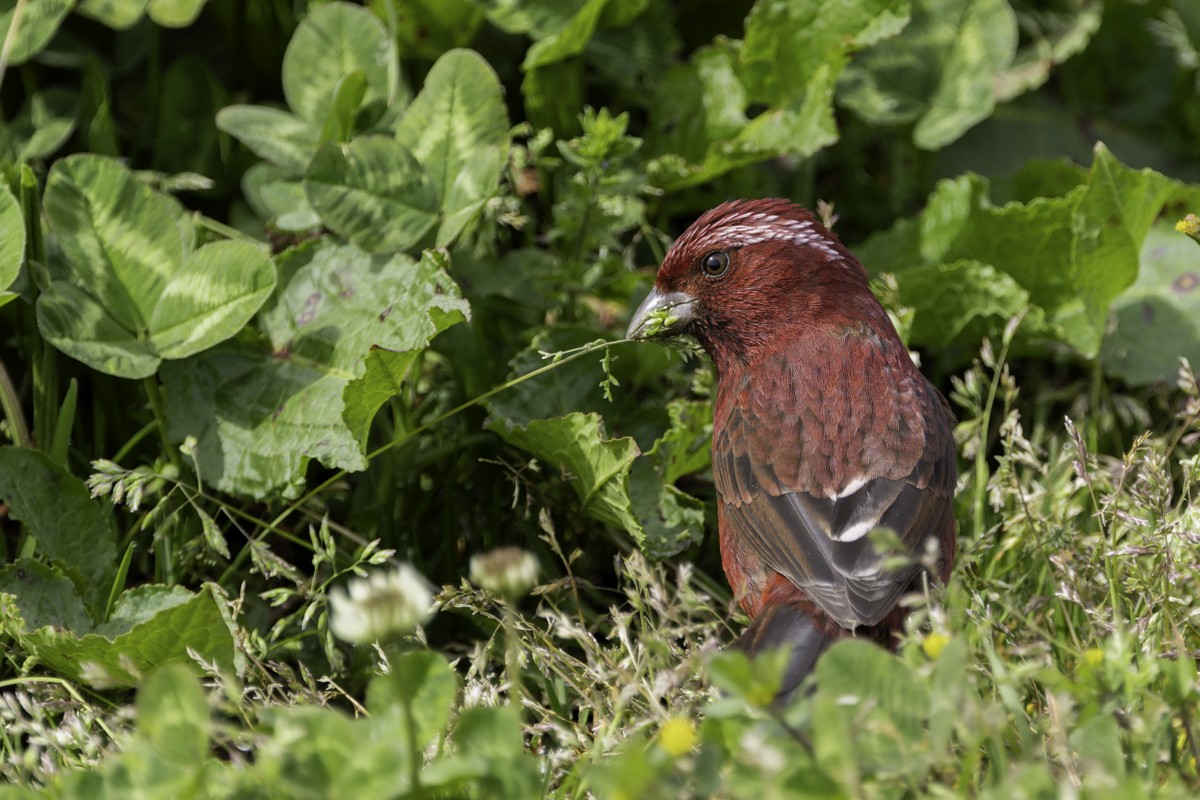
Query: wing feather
[[820, 542]]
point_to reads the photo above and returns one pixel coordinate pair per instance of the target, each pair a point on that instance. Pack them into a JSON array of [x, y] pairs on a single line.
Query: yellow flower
[[677, 736], [934, 644], [1093, 657]]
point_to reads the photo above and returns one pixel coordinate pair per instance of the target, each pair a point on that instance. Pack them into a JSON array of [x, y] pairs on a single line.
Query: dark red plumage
[[823, 428]]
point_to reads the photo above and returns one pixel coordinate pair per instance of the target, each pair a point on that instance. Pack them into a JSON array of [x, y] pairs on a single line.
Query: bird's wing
[[821, 543]]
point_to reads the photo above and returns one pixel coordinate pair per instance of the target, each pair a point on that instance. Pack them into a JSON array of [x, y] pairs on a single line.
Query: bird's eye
[[715, 264]]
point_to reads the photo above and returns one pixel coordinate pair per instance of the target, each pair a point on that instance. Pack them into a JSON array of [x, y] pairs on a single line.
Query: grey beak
[[680, 307]]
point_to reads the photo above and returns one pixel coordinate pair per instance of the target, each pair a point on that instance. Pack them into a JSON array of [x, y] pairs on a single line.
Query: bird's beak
[[646, 322]]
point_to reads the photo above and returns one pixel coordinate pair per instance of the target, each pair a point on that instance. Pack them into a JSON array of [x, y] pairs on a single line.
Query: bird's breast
[[822, 419]]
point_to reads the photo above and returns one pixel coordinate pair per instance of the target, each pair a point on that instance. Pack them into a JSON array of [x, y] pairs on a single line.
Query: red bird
[[823, 428]]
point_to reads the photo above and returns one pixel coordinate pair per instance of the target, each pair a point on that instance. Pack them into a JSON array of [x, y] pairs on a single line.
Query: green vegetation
[[297, 293]]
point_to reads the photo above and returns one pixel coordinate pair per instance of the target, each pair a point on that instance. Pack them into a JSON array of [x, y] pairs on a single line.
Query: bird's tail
[[788, 627]]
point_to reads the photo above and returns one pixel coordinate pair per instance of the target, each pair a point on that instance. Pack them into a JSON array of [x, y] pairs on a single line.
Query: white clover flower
[[508, 571], [381, 605]]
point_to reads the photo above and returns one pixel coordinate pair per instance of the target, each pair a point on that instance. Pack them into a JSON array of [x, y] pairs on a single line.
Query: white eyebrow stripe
[[759, 228]]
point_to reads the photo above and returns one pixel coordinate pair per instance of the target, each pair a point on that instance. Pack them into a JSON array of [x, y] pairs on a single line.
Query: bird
[[823, 429]]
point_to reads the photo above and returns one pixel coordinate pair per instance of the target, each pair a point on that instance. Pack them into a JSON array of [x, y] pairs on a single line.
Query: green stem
[[981, 468], [1093, 432], [43, 358], [512, 663], [11, 404], [410, 728], [227, 231], [154, 395], [127, 448]]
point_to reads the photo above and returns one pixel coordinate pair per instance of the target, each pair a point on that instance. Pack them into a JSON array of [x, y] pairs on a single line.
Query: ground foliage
[[291, 290]]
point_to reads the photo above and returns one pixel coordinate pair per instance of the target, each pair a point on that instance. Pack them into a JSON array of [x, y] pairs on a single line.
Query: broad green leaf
[[597, 467], [117, 14], [929, 237], [567, 42], [172, 713], [39, 22], [80, 326], [310, 748], [260, 412], [333, 41], [277, 136], [698, 104], [869, 711], [474, 185], [538, 18], [347, 97], [459, 111], [71, 529], [686, 447], [123, 239], [12, 238], [424, 681], [673, 520], [790, 60], [939, 72], [383, 377], [1058, 37], [962, 301], [44, 596], [948, 703], [1110, 224], [610, 486], [139, 292], [668, 519], [548, 417], [492, 738], [277, 196], [319, 752], [258, 419], [44, 124], [787, 43], [966, 94], [1074, 253], [802, 124], [1157, 320], [755, 681], [697, 118], [210, 298], [175, 13], [492, 733], [139, 604], [1097, 745], [169, 621], [373, 192]]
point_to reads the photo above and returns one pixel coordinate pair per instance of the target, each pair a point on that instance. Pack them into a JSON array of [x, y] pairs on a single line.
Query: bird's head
[[746, 273]]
